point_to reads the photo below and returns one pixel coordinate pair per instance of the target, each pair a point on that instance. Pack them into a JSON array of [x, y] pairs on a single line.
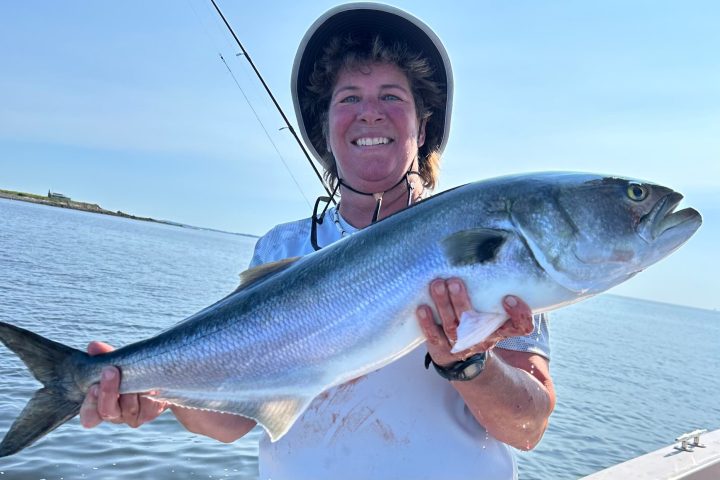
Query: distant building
[[58, 196]]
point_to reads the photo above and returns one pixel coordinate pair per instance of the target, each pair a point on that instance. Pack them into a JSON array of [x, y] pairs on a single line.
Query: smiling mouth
[[371, 141]]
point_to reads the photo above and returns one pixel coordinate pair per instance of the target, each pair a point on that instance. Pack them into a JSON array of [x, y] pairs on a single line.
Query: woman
[[372, 89]]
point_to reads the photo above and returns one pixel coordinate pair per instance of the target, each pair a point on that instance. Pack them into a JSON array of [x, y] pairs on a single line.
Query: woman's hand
[[104, 402], [514, 395], [451, 300]]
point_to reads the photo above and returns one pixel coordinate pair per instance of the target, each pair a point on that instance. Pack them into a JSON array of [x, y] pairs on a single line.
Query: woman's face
[[374, 132]]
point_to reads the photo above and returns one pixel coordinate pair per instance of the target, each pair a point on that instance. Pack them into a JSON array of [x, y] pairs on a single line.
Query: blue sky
[[128, 105]]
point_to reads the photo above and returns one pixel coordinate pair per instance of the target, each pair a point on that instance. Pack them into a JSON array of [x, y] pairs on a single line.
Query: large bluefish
[[294, 329]]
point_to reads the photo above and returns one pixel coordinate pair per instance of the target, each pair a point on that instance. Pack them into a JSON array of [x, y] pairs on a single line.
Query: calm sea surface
[[630, 375]]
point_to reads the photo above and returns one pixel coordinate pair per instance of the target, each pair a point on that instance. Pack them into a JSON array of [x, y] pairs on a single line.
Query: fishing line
[[249, 103], [267, 134], [272, 97], [218, 36]]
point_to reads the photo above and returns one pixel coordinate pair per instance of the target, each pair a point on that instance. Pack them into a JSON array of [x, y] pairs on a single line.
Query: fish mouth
[[663, 220]]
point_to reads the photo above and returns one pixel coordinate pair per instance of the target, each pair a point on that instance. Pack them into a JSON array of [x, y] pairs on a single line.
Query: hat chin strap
[[379, 196], [318, 219]]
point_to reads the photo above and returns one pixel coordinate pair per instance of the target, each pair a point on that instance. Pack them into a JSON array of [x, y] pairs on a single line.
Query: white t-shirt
[[399, 422]]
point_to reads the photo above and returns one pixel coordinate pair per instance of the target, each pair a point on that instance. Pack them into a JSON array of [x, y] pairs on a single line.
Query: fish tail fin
[[54, 404], [47, 410]]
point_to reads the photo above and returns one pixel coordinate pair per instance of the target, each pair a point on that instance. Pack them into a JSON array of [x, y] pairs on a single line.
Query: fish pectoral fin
[[474, 327], [477, 245], [253, 275], [275, 414]]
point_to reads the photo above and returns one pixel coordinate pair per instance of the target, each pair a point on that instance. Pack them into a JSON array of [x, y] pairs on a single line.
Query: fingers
[[97, 348], [521, 318], [150, 409], [89, 417], [138, 409], [438, 344], [451, 300], [109, 395], [103, 401], [129, 410], [459, 297], [433, 332]]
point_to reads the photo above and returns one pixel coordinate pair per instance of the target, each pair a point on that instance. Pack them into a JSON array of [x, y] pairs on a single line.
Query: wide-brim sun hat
[[366, 19]]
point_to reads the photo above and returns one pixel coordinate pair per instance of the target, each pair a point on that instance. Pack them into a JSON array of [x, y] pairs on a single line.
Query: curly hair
[[352, 52]]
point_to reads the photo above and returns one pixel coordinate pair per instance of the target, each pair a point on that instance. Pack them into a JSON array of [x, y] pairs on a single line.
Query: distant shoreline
[[95, 208]]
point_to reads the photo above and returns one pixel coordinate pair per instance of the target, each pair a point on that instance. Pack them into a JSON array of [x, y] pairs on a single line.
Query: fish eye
[[637, 191]]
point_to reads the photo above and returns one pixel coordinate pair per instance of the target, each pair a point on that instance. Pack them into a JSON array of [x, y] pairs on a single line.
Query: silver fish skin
[[294, 329]]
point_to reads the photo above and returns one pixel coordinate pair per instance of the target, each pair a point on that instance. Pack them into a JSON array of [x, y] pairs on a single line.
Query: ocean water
[[630, 375]]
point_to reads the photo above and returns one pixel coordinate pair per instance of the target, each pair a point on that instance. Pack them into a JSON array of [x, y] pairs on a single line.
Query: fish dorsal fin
[[253, 275], [477, 245]]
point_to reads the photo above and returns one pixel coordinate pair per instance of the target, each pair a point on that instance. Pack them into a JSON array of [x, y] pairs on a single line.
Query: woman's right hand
[[103, 401]]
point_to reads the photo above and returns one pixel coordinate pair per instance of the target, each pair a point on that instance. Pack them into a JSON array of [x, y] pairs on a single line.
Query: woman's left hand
[[514, 396], [451, 300]]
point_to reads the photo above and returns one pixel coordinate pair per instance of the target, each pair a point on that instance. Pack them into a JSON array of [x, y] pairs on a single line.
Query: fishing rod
[[277, 105]]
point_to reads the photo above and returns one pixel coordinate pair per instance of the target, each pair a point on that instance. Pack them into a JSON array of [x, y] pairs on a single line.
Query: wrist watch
[[461, 371]]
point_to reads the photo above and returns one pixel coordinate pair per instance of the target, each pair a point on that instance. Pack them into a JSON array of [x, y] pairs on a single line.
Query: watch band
[[461, 371]]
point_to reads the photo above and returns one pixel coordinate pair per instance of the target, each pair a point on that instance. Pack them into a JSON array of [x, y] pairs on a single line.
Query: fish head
[[590, 233]]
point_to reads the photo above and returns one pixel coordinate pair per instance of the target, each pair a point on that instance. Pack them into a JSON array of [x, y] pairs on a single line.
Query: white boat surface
[[695, 456]]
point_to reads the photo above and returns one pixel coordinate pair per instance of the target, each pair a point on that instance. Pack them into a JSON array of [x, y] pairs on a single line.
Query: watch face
[[472, 371]]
